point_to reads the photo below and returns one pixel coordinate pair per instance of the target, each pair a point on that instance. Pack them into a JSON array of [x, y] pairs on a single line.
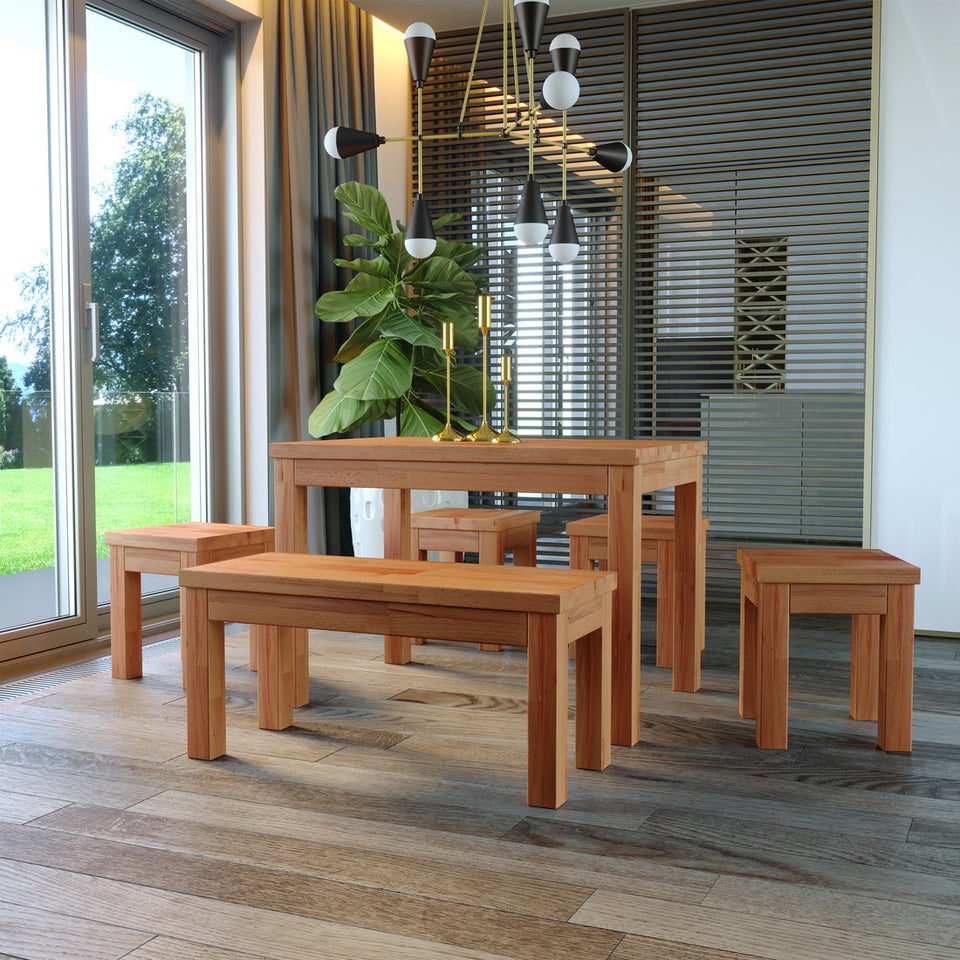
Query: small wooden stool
[[164, 549], [454, 531], [874, 587], [588, 545]]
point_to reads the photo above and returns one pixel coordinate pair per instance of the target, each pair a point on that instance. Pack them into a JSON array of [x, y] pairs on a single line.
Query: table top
[[535, 450], [492, 587]]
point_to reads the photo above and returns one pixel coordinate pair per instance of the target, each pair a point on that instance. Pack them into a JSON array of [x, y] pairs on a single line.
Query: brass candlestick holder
[[449, 432], [484, 432], [505, 436]]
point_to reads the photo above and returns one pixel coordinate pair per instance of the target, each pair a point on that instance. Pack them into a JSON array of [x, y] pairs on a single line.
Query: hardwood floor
[[390, 821]]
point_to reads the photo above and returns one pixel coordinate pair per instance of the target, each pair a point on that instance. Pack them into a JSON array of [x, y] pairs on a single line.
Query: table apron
[[539, 477], [670, 473]]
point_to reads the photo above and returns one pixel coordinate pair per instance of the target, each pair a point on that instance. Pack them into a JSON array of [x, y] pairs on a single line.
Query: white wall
[[916, 455], [392, 92]]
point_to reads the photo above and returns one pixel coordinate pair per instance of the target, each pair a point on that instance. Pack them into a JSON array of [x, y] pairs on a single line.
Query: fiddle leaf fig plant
[[393, 361]]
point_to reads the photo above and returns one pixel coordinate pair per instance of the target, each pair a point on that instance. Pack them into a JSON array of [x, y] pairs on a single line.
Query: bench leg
[[546, 711], [865, 666], [593, 695], [773, 666], [126, 636], [275, 678], [203, 671], [690, 597], [491, 552], [749, 655], [666, 601], [895, 721]]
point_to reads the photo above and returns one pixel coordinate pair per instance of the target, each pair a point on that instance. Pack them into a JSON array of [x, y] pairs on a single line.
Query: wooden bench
[[491, 534], [164, 549], [541, 609], [658, 545], [871, 585]]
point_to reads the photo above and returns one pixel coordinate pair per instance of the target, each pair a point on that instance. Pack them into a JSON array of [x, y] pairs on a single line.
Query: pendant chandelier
[[560, 92]]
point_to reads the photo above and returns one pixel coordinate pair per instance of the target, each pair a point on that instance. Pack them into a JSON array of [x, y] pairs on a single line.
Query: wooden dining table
[[621, 470]]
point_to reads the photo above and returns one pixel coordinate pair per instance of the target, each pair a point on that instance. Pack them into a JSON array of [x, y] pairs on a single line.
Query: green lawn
[[133, 495]]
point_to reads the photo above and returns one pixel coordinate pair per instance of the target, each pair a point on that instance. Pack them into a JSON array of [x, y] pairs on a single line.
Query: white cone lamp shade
[[420, 240], [565, 52], [530, 225], [531, 18], [343, 142], [560, 91], [564, 245], [419, 40], [615, 156]]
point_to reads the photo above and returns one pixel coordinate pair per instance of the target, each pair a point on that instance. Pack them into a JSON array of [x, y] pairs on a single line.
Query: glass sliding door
[[103, 299]]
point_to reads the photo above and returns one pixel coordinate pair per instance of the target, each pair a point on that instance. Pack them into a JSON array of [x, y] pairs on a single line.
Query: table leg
[[593, 695], [623, 556], [773, 665], [690, 595], [126, 635], [203, 673], [546, 711], [396, 546], [865, 666], [749, 652], [275, 653], [666, 601], [895, 720]]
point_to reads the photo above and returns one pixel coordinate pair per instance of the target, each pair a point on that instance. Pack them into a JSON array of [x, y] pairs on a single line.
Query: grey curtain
[[319, 62]]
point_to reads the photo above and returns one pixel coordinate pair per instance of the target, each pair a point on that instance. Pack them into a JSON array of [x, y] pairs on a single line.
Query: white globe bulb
[[420, 247], [564, 40], [420, 29], [330, 143], [564, 252], [530, 234], [561, 90]]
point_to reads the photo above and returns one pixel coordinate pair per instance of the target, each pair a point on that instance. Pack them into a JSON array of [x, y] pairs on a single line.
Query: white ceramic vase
[[366, 514]]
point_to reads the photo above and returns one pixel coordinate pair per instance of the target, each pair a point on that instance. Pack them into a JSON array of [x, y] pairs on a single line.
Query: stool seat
[[874, 587], [164, 549], [454, 531], [588, 545]]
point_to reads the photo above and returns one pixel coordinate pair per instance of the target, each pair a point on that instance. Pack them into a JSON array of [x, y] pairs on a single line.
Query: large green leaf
[[379, 267], [465, 254], [418, 419], [466, 387], [364, 296], [339, 414], [358, 240], [384, 370], [440, 276], [361, 338], [399, 326], [366, 206]]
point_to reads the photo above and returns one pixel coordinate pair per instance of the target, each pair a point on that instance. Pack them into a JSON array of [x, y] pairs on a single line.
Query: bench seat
[[541, 609]]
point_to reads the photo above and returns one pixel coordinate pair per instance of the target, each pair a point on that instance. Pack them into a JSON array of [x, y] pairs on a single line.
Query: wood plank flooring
[[391, 822]]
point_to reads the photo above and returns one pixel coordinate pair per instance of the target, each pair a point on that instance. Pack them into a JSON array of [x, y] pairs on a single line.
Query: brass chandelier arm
[[473, 63]]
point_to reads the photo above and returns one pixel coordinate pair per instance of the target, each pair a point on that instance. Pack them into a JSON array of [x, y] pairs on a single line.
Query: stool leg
[[865, 666], [546, 711], [666, 601], [749, 654], [579, 560], [491, 552], [593, 682], [126, 636], [526, 555], [895, 721], [773, 668], [276, 682]]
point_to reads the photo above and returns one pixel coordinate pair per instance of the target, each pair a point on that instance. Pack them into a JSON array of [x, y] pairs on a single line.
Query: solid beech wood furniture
[[588, 546], [540, 609], [873, 586], [454, 531], [620, 470], [164, 549]]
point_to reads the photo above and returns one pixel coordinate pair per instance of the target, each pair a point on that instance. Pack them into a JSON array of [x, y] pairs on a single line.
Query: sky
[[121, 62]]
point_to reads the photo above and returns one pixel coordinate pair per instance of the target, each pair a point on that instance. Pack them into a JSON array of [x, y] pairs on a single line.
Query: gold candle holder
[[449, 432], [484, 432], [505, 436]]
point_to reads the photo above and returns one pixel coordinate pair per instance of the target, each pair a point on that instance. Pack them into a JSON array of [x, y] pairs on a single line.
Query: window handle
[[91, 321]]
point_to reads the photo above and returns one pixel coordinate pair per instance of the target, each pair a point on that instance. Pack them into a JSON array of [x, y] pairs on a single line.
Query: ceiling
[[456, 14]]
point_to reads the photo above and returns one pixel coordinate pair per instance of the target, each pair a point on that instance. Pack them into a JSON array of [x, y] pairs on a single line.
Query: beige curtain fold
[[319, 57]]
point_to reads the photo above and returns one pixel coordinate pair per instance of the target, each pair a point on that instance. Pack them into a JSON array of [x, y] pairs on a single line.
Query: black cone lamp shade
[[419, 39], [531, 18], [420, 240], [615, 156], [343, 142], [530, 225], [564, 245], [565, 52]]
